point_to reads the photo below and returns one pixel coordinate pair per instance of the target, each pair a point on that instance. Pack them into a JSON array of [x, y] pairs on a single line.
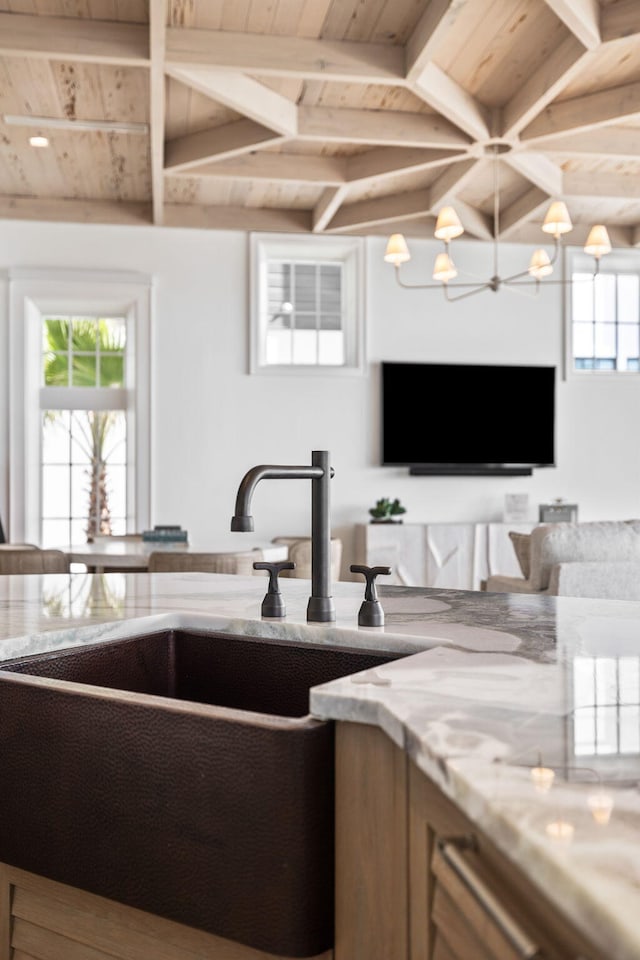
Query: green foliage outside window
[[87, 352]]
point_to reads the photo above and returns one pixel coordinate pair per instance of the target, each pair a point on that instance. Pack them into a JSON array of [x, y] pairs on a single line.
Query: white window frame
[[32, 295], [350, 252], [576, 260]]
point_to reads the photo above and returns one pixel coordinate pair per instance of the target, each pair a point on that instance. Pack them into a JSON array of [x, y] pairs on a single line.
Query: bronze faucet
[[320, 607]]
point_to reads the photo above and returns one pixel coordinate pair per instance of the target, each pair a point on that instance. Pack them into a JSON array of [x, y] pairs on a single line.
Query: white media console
[[453, 555]]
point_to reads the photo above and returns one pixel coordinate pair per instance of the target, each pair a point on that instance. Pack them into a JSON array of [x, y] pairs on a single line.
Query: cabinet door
[[468, 918], [467, 900], [425, 554]]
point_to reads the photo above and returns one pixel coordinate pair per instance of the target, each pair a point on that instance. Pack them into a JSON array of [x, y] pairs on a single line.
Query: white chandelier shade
[[557, 223]]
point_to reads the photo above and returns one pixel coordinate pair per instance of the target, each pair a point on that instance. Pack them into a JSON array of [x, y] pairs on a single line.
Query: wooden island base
[[417, 880], [409, 886], [44, 920]]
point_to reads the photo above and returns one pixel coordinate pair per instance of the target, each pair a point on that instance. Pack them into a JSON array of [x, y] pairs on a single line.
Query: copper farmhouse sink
[[180, 773]]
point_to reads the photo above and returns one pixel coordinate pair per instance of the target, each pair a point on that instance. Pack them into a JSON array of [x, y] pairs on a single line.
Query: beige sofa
[[596, 559]]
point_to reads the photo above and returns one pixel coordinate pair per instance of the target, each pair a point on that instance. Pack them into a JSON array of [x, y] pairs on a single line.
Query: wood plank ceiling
[[353, 116]]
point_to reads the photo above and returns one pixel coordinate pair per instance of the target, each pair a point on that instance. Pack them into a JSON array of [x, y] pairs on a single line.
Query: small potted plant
[[387, 511]]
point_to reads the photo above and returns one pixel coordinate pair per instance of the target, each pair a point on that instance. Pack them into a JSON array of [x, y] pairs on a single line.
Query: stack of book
[[165, 534]]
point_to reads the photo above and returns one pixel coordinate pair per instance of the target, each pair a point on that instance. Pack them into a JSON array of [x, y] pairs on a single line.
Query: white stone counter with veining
[[491, 684]]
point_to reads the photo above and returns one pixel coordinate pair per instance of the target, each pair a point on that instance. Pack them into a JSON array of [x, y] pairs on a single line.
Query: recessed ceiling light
[[39, 141]]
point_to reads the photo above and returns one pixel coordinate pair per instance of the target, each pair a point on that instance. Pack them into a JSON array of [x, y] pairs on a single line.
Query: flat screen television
[[465, 419]]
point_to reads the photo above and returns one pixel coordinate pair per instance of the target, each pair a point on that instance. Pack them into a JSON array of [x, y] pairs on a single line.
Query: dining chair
[[18, 546], [163, 561], [110, 537], [34, 560], [300, 554]]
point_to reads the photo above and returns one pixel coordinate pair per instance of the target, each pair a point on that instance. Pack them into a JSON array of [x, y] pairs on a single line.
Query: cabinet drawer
[[467, 914]]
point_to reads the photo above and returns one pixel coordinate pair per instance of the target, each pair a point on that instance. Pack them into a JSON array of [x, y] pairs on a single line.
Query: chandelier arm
[[433, 286], [544, 283], [496, 212], [520, 288], [478, 288], [556, 250]]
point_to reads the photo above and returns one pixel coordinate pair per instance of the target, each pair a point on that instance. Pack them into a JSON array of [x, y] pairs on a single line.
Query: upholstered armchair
[[594, 559]]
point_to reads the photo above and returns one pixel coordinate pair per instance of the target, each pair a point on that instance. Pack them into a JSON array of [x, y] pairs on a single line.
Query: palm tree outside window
[[84, 428]]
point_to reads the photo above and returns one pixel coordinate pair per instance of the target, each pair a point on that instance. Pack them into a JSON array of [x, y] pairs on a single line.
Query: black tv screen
[[468, 419]]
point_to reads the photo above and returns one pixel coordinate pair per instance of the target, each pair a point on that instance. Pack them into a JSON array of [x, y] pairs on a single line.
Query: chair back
[[300, 554], [164, 561], [18, 546], [110, 537], [33, 560]]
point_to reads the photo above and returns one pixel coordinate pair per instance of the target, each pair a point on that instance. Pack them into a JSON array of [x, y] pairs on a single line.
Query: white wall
[[211, 421]]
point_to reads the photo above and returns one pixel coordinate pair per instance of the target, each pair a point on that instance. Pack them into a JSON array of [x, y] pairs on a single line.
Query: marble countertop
[[493, 686]]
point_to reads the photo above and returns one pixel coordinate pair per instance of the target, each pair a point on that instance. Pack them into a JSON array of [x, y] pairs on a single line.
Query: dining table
[[131, 556]]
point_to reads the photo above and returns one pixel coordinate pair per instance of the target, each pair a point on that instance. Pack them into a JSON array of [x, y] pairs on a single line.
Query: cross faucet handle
[[371, 613], [273, 604]]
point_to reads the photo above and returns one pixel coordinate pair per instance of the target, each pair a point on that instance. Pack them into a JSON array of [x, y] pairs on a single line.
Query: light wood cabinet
[[40, 918], [416, 880]]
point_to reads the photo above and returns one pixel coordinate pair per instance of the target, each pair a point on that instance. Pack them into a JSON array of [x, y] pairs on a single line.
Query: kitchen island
[[495, 697]]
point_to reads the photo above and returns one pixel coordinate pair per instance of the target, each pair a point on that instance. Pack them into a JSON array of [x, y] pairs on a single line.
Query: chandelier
[[556, 223]]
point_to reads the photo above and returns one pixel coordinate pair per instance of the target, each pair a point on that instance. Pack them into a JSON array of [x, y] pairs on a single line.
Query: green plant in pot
[[387, 511]]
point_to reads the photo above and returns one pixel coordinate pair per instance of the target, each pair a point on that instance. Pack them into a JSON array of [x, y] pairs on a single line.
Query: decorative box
[[165, 534], [516, 508], [558, 512]]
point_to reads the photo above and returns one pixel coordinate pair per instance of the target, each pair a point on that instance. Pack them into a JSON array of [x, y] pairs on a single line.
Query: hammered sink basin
[[180, 773]]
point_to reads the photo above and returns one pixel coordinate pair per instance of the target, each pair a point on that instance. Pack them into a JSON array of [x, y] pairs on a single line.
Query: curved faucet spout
[[320, 607], [242, 521]]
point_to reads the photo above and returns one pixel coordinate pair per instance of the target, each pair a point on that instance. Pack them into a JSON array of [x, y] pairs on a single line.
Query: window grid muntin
[[71, 352], [289, 269], [350, 252], [77, 465], [596, 709], [593, 362], [67, 394]]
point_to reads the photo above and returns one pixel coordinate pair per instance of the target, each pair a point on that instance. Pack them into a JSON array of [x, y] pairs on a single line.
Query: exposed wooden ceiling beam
[[77, 126], [539, 169], [383, 127], [615, 143], [285, 167], [237, 218], [74, 211], [582, 17], [446, 96], [390, 161], [225, 141], [363, 213], [157, 28], [74, 38], [523, 209], [437, 20], [475, 222], [586, 113], [451, 181], [543, 85], [610, 185], [620, 20], [414, 227], [308, 59], [241, 93], [327, 206]]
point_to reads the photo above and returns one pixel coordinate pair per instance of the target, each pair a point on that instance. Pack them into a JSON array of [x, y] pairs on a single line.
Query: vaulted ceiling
[[353, 116]]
